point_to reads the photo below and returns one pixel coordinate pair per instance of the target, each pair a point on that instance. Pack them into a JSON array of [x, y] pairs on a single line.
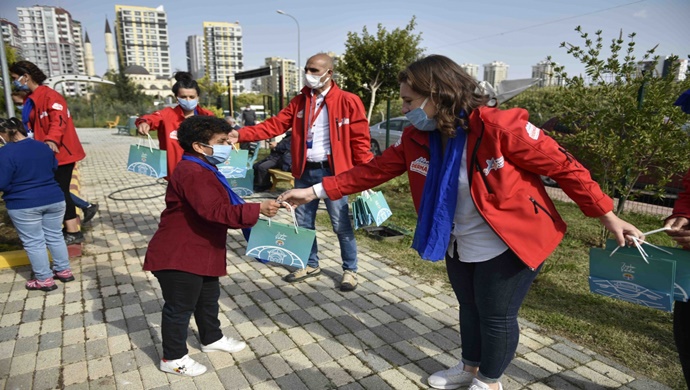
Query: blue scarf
[[26, 111], [440, 196], [234, 198]]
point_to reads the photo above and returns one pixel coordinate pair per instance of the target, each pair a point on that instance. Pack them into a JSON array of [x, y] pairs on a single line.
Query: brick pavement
[[103, 330]]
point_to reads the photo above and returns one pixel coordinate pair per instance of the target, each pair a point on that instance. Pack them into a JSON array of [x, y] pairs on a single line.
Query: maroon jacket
[[50, 120], [193, 228], [682, 206]]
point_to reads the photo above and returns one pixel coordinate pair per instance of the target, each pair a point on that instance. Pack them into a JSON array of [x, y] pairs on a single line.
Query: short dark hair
[[185, 80], [25, 67], [200, 128], [11, 127]]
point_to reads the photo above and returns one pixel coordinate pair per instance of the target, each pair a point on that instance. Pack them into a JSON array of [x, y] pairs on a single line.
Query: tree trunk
[[372, 102]]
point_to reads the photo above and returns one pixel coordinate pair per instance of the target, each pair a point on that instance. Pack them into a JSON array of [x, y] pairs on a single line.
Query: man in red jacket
[[330, 135]]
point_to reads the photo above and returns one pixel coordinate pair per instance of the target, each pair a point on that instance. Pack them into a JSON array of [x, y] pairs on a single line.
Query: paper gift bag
[[243, 186], [626, 276], [147, 160], [281, 243], [236, 165], [377, 206]]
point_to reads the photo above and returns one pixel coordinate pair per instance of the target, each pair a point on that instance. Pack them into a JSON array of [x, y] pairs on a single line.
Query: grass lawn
[[559, 300]]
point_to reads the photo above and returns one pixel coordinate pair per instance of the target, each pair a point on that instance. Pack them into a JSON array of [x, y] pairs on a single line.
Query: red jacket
[[193, 228], [167, 121], [682, 205], [50, 120], [349, 130], [505, 156]]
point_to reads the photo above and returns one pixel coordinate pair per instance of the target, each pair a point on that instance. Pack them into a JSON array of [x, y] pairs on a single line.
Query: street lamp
[[299, 62]]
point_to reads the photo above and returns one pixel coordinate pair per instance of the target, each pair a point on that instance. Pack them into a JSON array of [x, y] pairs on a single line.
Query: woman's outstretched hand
[[297, 196], [269, 208], [621, 229]]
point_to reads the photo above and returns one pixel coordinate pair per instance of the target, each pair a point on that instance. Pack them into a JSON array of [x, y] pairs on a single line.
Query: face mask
[[420, 120], [18, 85], [20, 107], [313, 81], [220, 154], [188, 105]]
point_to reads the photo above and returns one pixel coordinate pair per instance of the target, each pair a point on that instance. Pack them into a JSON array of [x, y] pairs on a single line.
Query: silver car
[[378, 133]]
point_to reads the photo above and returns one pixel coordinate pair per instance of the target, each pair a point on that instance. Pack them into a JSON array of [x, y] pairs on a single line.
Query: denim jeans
[[39, 227], [79, 202], [490, 294], [338, 210], [185, 293]]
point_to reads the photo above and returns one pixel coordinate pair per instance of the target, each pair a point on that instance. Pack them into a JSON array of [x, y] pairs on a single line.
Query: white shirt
[[319, 132], [476, 240]]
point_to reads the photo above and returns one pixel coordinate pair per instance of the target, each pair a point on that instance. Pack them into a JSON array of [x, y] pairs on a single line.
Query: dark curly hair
[[25, 67], [450, 88], [185, 80], [11, 127], [200, 128]]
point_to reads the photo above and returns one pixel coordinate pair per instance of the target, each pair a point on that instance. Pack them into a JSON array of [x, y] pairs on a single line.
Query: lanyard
[[313, 115]]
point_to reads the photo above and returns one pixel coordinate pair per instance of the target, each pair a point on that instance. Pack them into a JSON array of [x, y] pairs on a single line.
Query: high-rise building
[[223, 52], [471, 69], [10, 34], [270, 85], [88, 56], [681, 70], [110, 50], [52, 40], [195, 56], [495, 72], [543, 71], [141, 34]]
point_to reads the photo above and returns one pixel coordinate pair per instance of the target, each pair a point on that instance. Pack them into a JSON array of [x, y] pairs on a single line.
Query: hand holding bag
[[147, 161]]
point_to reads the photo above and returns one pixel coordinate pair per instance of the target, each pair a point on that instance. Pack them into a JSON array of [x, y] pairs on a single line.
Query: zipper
[[571, 159], [481, 174], [537, 206]]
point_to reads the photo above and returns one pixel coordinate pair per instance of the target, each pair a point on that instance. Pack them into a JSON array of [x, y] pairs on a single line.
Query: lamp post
[[299, 62]]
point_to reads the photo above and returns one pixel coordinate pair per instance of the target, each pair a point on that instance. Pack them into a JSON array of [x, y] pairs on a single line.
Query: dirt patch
[[9, 240]]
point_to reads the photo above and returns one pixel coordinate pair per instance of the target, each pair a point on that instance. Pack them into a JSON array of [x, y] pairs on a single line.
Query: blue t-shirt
[[27, 175]]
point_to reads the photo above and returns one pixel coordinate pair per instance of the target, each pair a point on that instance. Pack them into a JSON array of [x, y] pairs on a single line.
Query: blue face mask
[[420, 120], [188, 105], [220, 154], [19, 86], [20, 107]]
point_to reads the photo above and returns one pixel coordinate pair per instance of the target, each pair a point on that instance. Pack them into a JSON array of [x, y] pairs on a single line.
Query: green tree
[[622, 121], [371, 62], [211, 91]]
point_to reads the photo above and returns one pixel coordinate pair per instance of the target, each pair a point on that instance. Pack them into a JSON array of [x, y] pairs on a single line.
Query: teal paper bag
[[147, 160], [236, 165], [281, 243], [626, 276], [681, 291], [377, 206], [243, 186]]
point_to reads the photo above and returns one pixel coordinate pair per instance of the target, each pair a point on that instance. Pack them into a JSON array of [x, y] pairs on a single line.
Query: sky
[[518, 32]]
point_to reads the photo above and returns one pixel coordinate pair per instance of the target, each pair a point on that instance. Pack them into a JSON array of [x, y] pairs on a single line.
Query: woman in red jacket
[[46, 115], [168, 120], [187, 252], [474, 178]]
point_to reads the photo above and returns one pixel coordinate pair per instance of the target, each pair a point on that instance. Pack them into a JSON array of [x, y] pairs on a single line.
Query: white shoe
[[451, 378], [225, 344], [184, 366], [479, 385]]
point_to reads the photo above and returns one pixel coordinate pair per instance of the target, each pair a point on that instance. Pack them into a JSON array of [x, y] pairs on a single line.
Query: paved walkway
[[103, 330]]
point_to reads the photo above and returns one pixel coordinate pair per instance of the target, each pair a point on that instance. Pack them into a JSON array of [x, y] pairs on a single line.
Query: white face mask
[[313, 81]]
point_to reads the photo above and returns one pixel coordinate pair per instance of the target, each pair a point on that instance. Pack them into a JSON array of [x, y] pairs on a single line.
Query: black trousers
[[63, 176], [186, 294], [681, 334], [261, 177]]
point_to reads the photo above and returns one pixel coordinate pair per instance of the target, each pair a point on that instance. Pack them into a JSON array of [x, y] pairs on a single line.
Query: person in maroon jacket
[[474, 179], [187, 252], [168, 120], [46, 116], [679, 223]]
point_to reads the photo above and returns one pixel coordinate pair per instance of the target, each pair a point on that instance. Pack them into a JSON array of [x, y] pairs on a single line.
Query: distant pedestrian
[[232, 122], [248, 116], [35, 203], [279, 157]]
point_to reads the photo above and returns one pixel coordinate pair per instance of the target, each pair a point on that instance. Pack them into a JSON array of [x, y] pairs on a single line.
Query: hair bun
[[183, 76]]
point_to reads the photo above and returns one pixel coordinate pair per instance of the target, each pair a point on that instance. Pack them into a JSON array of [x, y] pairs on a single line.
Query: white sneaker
[[225, 344], [479, 385], [451, 378], [184, 366]]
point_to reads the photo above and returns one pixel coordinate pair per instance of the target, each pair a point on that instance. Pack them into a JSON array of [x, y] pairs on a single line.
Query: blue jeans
[[338, 210], [490, 294], [79, 202], [38, 227]]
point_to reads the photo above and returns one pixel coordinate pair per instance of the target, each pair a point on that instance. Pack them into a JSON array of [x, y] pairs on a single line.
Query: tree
[[210, 91], [622, 121], [371, 62]]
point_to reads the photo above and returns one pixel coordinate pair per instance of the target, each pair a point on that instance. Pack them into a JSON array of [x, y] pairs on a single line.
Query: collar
[[322, 94]]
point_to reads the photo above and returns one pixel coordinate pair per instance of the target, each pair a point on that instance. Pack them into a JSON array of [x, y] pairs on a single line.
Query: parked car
[[378, 133]]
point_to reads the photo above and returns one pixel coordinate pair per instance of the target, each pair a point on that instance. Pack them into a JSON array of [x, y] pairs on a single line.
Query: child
[[187, 253], [35, 203]]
